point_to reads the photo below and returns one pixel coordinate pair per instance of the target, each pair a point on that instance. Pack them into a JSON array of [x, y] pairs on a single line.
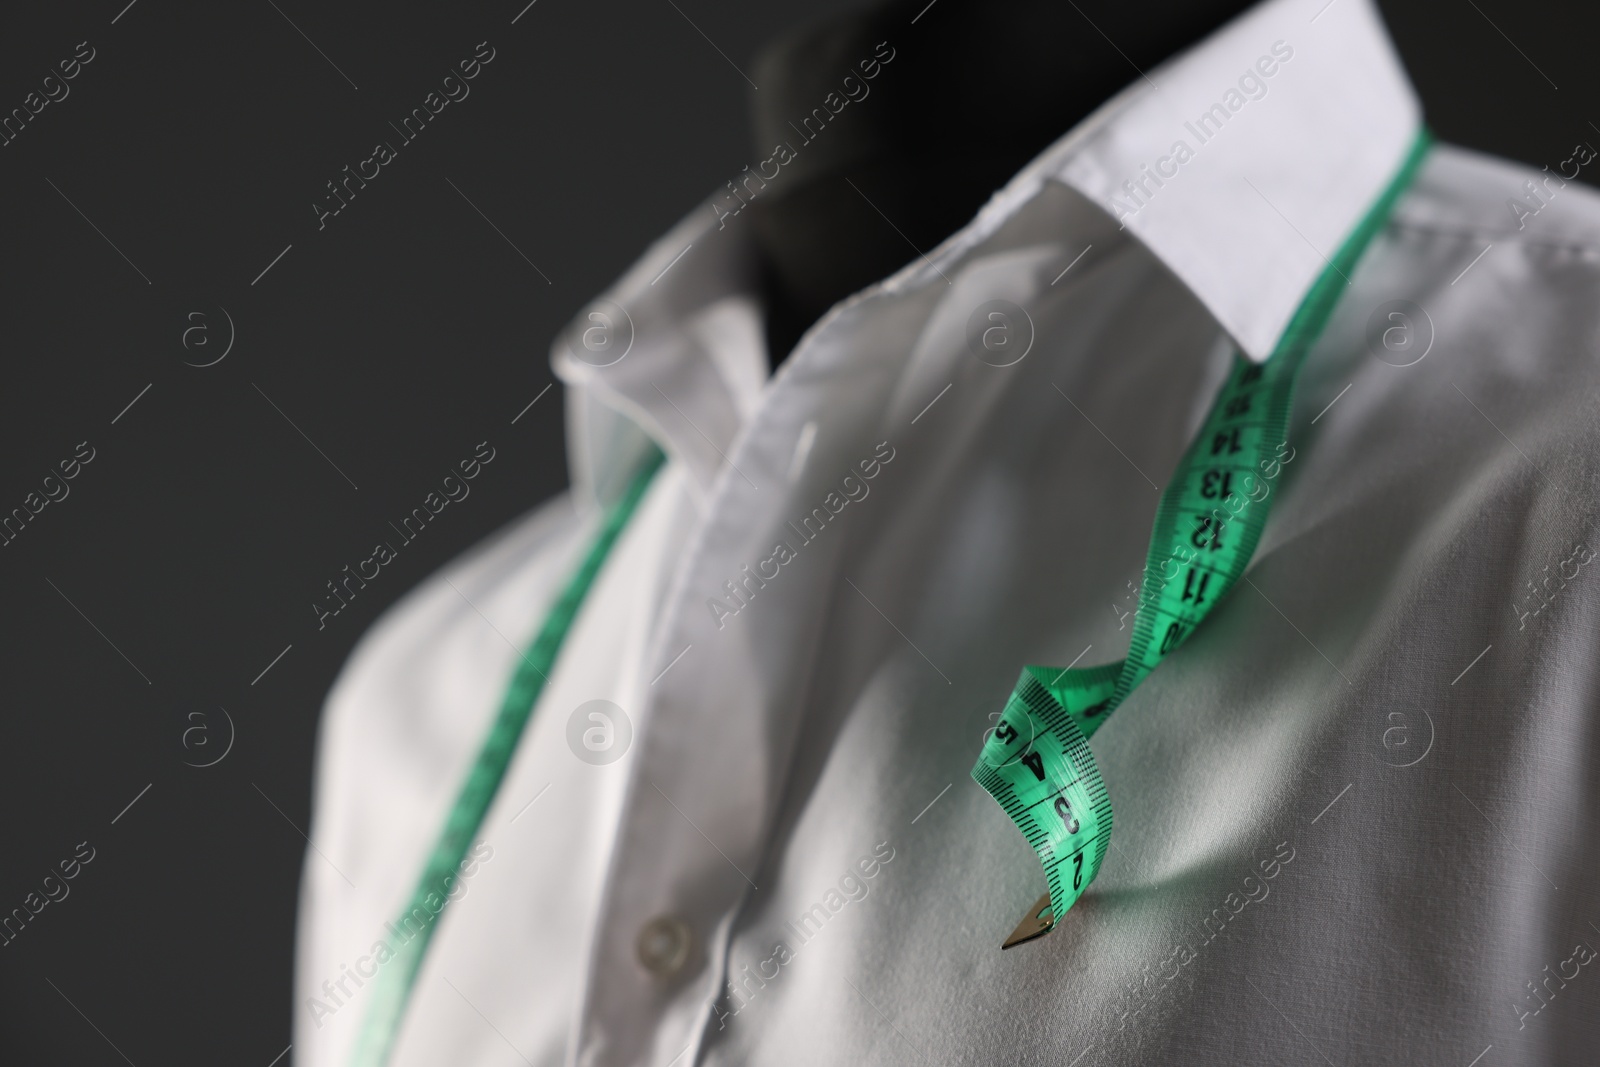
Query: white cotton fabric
[[1280, 887]]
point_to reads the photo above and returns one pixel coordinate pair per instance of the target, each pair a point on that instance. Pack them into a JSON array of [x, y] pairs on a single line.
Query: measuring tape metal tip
[[1038, 922]]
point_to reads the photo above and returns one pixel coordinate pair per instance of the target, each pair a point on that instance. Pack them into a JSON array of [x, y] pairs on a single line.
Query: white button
[[663, 945]]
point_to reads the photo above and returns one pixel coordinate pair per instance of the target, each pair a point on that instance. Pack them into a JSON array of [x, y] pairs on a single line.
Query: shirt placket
[[724, 707]]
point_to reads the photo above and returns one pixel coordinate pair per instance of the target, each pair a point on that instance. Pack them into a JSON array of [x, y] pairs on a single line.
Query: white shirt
[[1355, 812]]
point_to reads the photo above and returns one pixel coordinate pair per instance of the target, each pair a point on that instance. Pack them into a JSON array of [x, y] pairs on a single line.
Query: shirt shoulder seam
[[1497, 236]]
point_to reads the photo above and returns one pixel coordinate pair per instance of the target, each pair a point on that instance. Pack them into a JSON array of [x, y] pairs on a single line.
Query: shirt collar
[[674, 352], [1242, 164], [1245, 163]]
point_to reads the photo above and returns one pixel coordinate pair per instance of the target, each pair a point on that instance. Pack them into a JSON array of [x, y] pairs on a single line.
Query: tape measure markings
[[1205, 533]]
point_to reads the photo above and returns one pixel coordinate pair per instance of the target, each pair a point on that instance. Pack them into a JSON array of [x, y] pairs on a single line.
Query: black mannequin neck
[[934, 117]]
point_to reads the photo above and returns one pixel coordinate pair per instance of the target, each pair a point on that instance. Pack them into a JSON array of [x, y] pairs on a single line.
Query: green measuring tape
[[397, 973], [1036, 763]]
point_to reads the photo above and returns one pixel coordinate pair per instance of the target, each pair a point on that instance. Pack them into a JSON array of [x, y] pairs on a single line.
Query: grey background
[[188, 553]]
